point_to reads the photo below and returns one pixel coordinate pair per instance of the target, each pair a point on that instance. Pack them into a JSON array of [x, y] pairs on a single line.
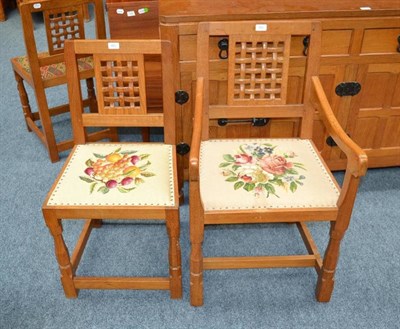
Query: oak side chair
[[63, 20], [126, 181], [265, 180]]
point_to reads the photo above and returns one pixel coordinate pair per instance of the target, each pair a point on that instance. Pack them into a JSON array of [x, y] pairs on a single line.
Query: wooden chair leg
[[23, 96], [326, 278], [97, 223], [175, 270], [145, 134], [2, 12], [62, 255], [196, 239], [47, 126]]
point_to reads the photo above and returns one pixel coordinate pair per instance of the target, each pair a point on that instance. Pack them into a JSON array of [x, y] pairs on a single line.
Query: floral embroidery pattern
[[260, 168], [123, 170]]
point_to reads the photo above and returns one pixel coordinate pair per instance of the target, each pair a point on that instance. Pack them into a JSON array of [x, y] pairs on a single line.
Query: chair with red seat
[[64, 20]]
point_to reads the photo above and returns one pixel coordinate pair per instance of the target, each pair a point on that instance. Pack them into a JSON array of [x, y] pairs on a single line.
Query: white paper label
[[143, 10], [37, 5], [120, 11], [113, 45], [130, 13], [261, 27], [365, 8]]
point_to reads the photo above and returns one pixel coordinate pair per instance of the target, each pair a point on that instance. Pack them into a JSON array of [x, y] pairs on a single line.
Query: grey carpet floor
[[367, 292]]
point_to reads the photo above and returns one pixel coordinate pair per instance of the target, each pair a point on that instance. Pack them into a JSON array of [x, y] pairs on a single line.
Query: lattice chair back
[[62, 24], [258, 69], [64, 20], [121, 86], [120, 80], [258, 65]]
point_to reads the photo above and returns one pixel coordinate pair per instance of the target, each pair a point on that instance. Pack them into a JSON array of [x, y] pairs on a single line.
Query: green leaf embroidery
[[92, 186], [269, 188], [235, 167], [249, 186], [103, 189], [232, 179], [224, 164], [144, 156], [123, 189], [147, 174], [85, 179], [89, 163], [242, 150], [299, 165], [129, 172], [139, 181], [293, 187], [116, 151], [238, 185], [128, 152], [291, 171], [99, 156], [229, 158]]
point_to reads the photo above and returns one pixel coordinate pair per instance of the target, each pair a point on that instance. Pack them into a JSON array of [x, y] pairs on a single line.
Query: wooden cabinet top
[[172, 11]]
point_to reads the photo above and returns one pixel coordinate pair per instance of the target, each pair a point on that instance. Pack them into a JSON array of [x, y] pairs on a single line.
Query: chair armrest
[[197, 131], [357, 163]]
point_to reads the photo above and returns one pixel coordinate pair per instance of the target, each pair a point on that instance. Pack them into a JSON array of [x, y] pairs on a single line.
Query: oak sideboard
[[360, 66]]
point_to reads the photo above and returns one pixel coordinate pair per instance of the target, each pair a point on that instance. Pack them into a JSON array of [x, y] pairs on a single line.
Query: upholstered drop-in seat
[[117, 174], [52, 71], [264, 173]]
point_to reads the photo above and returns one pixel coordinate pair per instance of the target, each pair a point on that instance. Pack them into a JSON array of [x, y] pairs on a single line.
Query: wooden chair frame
[[55, 214], [55, 55], [313, 98]]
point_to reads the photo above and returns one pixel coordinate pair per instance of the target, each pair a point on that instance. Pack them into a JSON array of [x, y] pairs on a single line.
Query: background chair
[[63, 20], [265, 180], [117, 180]]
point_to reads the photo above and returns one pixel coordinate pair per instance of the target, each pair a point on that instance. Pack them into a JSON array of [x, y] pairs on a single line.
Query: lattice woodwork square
[[258, 69], [121, 84], [63, 24]]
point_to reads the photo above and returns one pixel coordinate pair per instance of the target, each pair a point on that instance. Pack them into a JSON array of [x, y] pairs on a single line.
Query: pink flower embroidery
[[263, 169], [275, 164], [241, 159]]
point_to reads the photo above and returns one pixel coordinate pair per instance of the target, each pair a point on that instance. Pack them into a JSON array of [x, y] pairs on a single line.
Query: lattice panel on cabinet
[[63, 25], [258, 69], [120, 84]]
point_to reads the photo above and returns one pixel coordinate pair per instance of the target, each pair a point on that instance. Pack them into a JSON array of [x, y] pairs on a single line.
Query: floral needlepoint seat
[[131, 174], [263, 173]]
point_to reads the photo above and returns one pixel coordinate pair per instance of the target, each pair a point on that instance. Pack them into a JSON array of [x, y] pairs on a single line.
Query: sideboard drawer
[[381, 40]]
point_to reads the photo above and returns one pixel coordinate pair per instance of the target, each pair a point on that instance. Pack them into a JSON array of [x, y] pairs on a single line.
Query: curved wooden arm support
[[197, 131], [357, 159]]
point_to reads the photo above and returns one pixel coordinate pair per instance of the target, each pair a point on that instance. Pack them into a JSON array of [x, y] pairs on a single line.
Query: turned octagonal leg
[[62, 255], [196, 239], [175, 270]]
